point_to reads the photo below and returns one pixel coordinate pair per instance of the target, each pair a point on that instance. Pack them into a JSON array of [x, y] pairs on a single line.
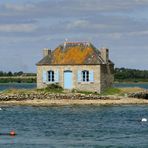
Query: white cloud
[[85, 24], [66, 8], [77, 23], [18, 40], [101, 5], [21, 7], [17, 27], [137, 33]]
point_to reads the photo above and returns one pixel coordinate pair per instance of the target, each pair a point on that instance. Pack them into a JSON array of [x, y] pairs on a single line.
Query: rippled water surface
[[5, 86], [142, 85], [74, 126]]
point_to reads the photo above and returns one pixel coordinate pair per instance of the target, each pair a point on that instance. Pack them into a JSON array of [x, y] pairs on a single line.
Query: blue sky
[[28, 26]]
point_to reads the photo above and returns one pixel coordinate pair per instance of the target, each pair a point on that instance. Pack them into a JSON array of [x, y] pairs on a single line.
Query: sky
[[28, 26]]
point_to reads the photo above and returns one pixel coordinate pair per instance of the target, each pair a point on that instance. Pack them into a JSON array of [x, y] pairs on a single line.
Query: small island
[[54, 95]]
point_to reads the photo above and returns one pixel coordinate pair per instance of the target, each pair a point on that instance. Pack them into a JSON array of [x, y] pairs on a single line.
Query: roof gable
[[45, 61]]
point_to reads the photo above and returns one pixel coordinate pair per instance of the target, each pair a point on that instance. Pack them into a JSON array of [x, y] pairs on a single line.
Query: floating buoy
[[12, 133], [144, 120]]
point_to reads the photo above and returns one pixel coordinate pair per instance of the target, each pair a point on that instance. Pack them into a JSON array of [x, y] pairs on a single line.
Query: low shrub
[[54, 88], [84, 92]]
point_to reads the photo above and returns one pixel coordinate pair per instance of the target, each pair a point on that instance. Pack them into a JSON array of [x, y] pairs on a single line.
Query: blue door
[[68, 79]]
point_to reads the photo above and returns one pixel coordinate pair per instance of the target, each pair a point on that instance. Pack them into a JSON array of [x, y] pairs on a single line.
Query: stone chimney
[[105, 54], [46, 51]]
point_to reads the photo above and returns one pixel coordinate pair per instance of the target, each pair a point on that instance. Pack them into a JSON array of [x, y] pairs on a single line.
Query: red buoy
[[12, 133]]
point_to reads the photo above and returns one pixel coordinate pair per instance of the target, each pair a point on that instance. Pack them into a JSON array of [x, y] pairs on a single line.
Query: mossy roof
[[73, 54]]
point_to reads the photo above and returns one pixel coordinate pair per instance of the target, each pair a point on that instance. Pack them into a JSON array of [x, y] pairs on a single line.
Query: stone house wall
[[102, 76], [107, 76], [86, 86]]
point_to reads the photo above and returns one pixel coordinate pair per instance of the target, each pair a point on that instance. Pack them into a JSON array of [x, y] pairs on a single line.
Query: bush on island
[[54, 87]]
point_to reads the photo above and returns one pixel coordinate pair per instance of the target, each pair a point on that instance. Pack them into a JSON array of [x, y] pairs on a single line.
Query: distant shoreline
[[17, 79], [130, 82]]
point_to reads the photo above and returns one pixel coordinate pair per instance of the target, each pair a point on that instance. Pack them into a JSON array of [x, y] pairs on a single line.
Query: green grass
[[45, 90], [17, 91], [111, 91], [56, 89], [86, 92], [108, 91], [52, 88]]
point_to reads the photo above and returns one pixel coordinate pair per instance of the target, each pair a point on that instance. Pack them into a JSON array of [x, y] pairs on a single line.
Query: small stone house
[[76, 65]]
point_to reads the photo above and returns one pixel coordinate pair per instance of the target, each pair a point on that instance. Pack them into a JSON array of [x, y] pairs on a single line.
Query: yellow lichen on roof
[[73, 55], [57, 56]]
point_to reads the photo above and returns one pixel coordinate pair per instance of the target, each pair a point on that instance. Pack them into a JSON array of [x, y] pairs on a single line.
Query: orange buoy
[[12, 133]]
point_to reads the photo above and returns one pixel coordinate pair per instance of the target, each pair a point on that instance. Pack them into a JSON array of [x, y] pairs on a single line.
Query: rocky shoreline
[[35, 98], [140, 95], [73, 96], [43, 96]]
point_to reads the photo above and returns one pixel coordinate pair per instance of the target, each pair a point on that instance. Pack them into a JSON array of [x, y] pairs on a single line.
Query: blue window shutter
[[44, 76], [91, 76], [57, 76], [79, 76]]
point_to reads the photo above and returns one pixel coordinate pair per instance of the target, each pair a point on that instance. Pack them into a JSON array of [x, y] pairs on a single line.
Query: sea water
[[141, 85], [5, 86], [74, 126]]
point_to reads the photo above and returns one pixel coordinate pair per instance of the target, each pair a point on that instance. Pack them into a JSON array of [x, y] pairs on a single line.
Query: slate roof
[[74, 53]]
